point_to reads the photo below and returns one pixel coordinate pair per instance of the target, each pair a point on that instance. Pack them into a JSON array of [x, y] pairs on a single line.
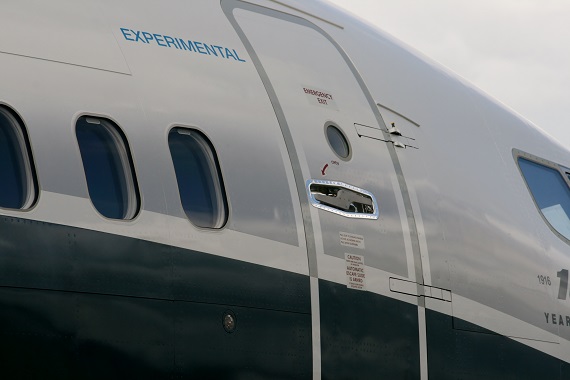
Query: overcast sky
[[518, 51]]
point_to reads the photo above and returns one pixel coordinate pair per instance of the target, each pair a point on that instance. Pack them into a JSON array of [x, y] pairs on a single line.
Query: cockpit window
[[550, 192]]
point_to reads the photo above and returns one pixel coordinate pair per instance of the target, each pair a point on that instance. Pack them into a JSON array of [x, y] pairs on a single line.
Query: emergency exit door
[[354, 213], [324, 108]]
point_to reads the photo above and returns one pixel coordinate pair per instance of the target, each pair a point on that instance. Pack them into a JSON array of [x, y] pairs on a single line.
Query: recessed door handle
[[342, 199]]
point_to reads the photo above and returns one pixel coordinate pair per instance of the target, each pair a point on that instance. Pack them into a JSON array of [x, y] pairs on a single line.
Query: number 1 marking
[[563, 290]]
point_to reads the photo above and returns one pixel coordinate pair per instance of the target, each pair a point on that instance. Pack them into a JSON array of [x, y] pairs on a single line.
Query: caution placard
[[355, 275]]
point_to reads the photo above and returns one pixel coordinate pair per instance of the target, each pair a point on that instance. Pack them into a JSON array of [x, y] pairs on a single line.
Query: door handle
[[342, 199]]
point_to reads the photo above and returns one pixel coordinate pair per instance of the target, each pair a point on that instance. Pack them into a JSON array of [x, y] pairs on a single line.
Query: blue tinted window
[[17, 183], [108, 168], [550, 192], [199, 182]]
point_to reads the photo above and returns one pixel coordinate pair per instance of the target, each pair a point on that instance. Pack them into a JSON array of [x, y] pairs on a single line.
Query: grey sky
[[518, 51]]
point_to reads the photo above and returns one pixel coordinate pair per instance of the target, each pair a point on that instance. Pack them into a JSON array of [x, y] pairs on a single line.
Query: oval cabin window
[[199, 181], [18, 185], [109, 169]]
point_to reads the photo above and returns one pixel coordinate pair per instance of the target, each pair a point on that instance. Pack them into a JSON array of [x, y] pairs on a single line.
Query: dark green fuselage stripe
[[82, 304], [76, 303], [366, 335], [460, 350]]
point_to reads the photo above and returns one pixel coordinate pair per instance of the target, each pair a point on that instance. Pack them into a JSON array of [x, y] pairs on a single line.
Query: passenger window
[[550, 192], [109, 169], [18, 184], [199, 181]]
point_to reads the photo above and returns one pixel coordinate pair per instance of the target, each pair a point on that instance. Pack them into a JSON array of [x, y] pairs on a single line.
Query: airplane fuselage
[[266, 189]]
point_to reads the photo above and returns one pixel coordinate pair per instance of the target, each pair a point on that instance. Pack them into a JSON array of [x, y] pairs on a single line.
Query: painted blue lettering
[[229, 54], [546, 315], [220, 50], [238, 58], [567, 321], [561, 321], [147, 36], [210, 50], [138, 36], [184, 46], [159, 40], [200, 47], [553, 319], [126, 34], [170, 41]]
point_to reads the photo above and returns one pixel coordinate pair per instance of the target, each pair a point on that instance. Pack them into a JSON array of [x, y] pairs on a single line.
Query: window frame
[[26, 152], [123, 146], [221, 188], [563, 171]]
